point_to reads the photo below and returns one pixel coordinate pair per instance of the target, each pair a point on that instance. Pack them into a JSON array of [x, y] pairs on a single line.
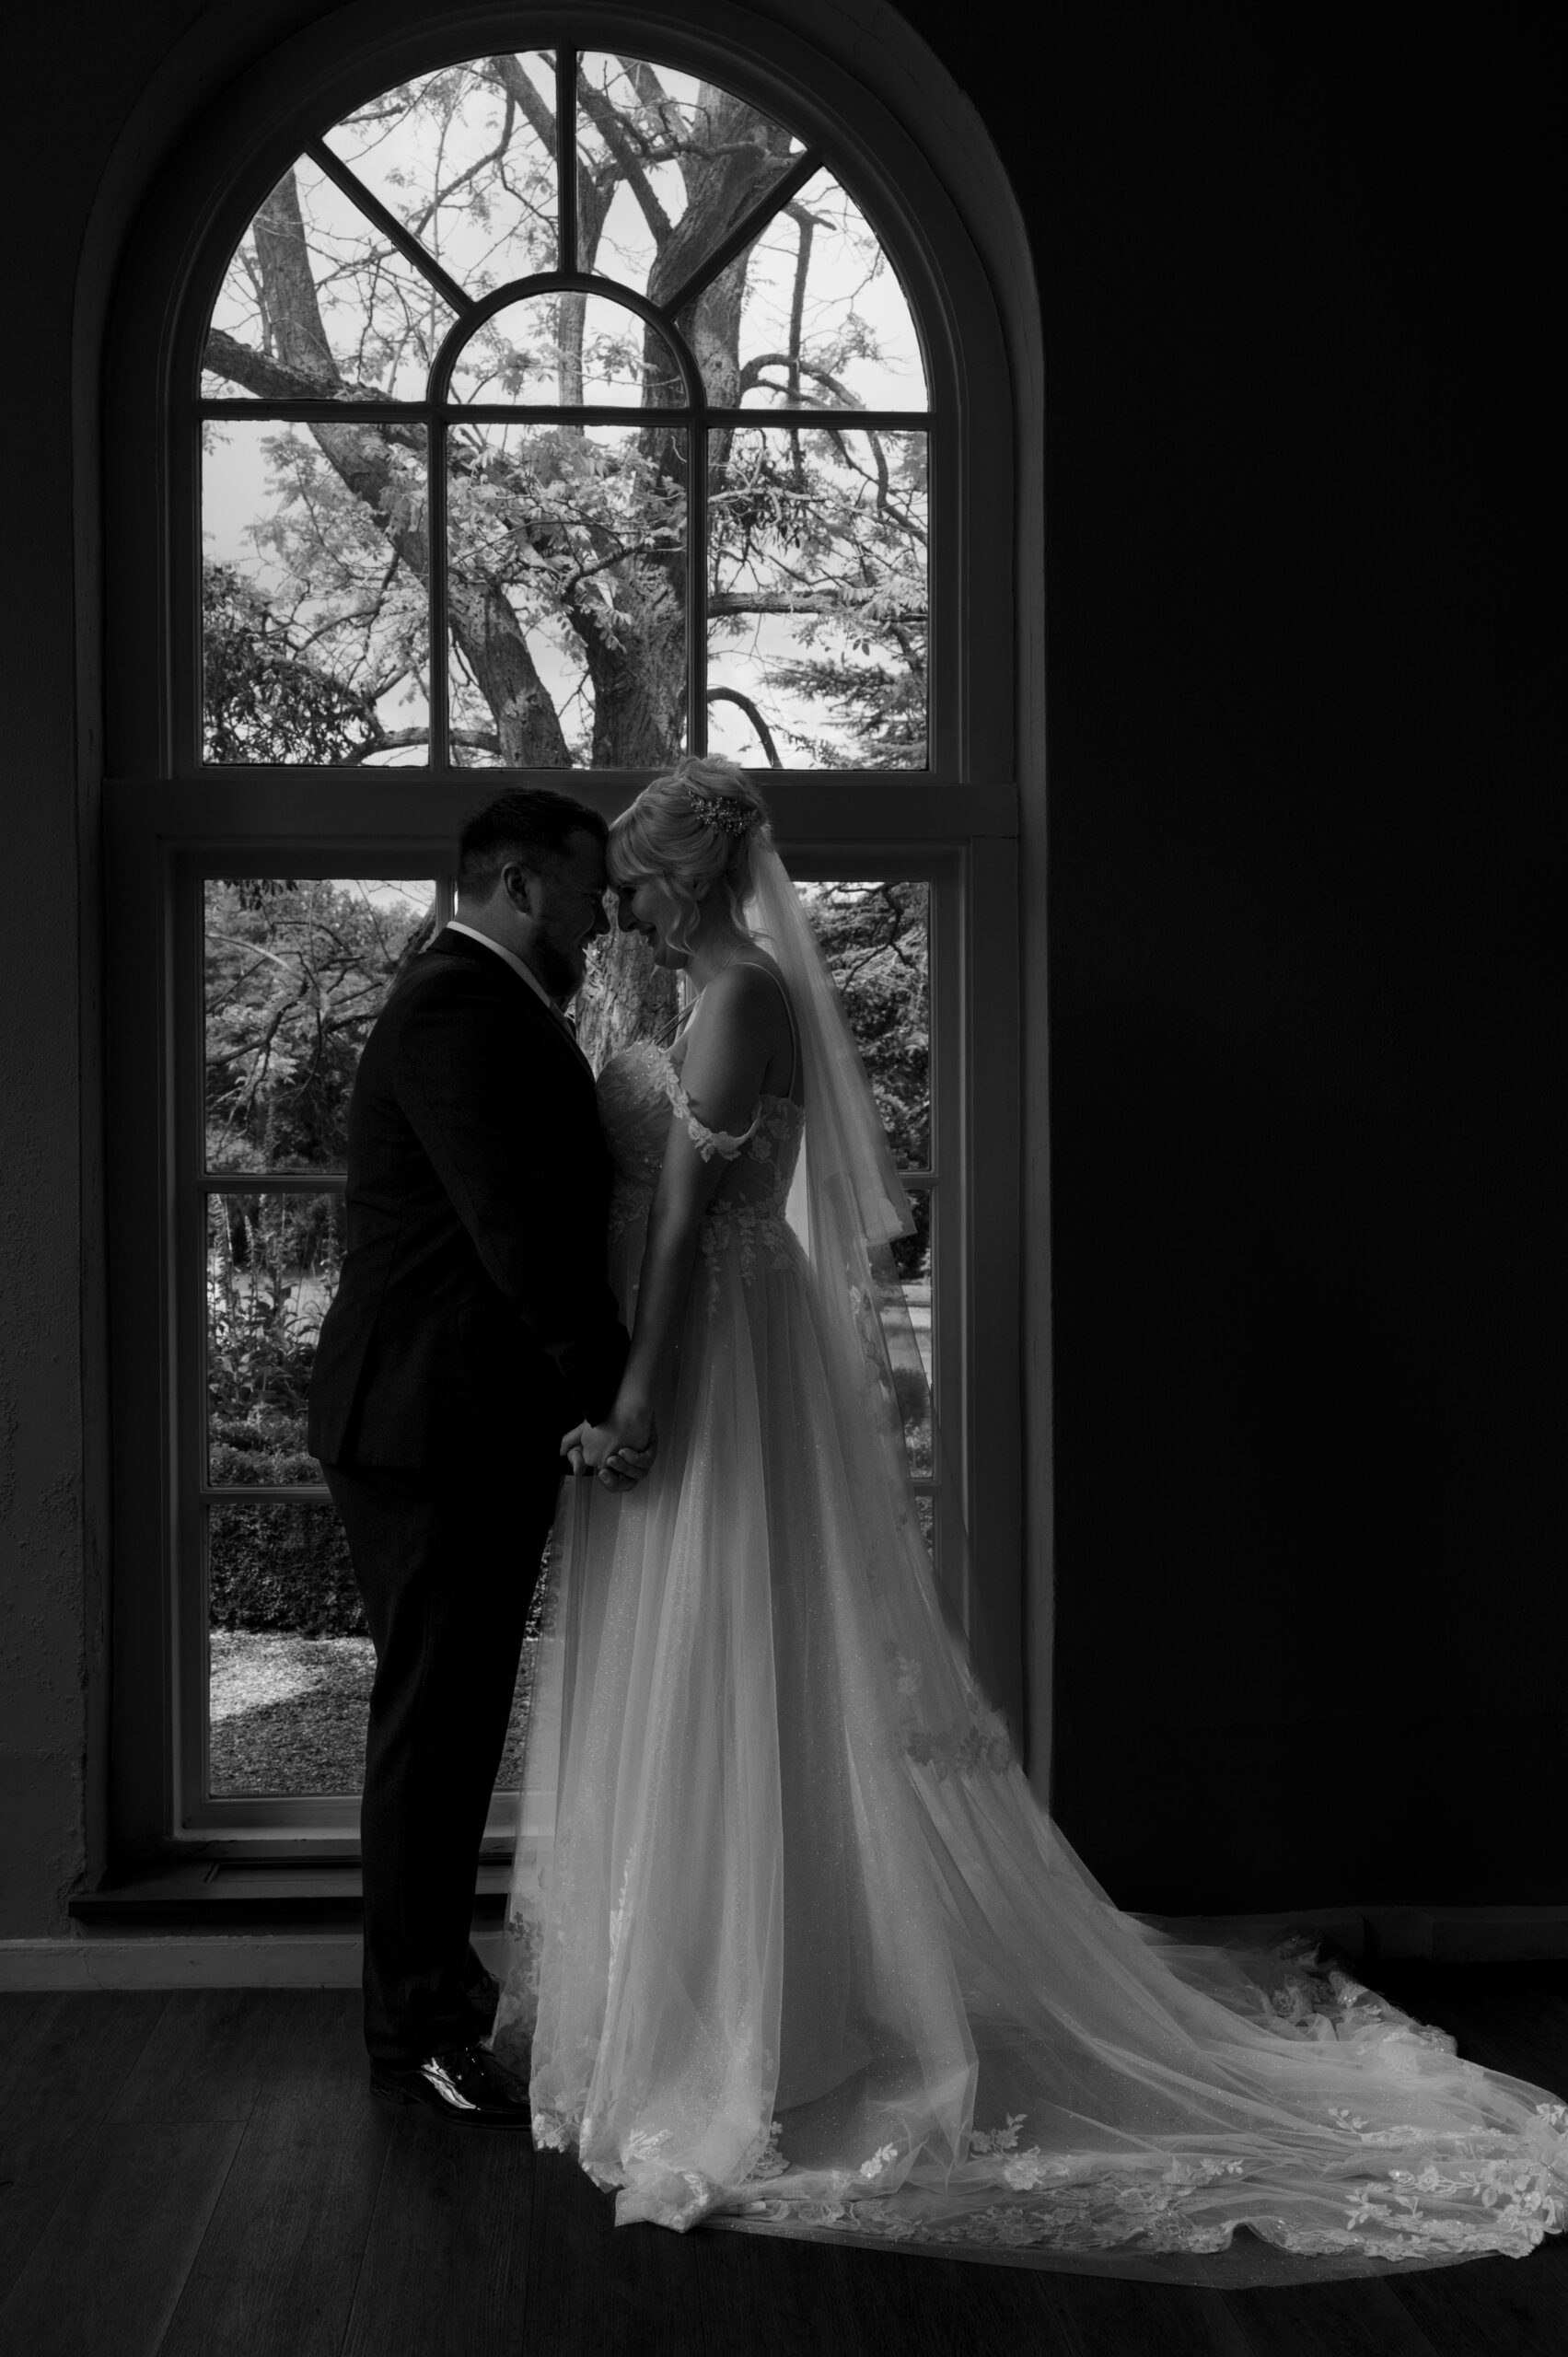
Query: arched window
[[546, 447], [545, 412]]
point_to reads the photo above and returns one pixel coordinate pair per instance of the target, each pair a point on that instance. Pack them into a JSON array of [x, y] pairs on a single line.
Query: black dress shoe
[[466, 2086]]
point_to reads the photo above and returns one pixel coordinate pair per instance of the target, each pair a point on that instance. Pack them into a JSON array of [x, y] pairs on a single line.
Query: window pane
[[811, 317], [668, 166], [906, 1314], [466, 158], [273, 1264], [560, 350], [876, 938], [313, 601], [317, 300], [567, 582], [816, 597], [296, 972], [290, 1665]]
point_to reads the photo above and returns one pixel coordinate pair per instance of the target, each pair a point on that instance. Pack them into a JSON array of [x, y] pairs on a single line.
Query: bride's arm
[[726, 1065]]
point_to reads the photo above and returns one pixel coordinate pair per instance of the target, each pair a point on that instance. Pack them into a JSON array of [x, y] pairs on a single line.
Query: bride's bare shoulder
[[742, 1028], [748, 995]]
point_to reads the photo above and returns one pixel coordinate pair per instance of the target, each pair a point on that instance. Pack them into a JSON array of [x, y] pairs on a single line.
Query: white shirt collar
[[512, 958]]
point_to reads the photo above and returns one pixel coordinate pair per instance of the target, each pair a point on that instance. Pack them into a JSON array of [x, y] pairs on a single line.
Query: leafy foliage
[[266, 699], [282, 1567], [876, 940], [295, 973], [296, 970]]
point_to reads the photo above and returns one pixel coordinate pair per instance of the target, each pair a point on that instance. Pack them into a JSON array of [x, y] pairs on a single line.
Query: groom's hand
[[619, 1462]]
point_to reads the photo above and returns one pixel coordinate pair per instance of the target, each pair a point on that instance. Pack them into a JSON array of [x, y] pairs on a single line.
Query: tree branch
[[752, 375], [611, 130], [733, 695], [274, 381], [420, 221], [484, 740], [522, 94], [779, 602]]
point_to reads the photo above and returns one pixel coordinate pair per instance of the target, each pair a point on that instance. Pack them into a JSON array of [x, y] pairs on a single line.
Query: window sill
[[209, 1896]]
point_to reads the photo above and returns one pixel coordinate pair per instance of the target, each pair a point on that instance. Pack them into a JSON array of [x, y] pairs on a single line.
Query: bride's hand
[[620, 1450]]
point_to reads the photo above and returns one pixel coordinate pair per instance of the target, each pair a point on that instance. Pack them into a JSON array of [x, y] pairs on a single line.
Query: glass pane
[[313, 601], [811, 317], [817, 598], [273, 1264], [316, 300], [466, 158], [567, 593], [290, 1664], [295, 973], [906, 1313], [561, 349], [668, 165], [876, 939]]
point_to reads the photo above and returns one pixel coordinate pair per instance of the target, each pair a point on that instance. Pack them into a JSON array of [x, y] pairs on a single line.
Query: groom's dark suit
[[471, 1326]]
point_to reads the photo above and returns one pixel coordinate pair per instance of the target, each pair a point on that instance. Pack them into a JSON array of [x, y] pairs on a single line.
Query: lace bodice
[[639, 1089]]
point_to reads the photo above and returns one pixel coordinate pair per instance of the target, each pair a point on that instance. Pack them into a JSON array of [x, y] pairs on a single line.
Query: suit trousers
[[446, 1562]]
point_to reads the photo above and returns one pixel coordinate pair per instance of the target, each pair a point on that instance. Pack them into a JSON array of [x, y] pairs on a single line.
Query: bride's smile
[[649, 907], [687, 931]]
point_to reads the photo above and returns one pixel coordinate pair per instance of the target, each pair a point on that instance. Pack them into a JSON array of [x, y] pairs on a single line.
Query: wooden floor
[[206, 2173]]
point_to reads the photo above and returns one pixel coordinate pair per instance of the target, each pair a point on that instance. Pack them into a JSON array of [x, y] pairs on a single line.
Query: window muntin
[[442, 263]]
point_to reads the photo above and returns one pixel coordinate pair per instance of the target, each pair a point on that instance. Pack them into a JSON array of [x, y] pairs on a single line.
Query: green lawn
[[287, 1714]]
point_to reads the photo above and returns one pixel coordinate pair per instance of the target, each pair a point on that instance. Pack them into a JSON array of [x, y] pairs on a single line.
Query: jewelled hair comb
[[733, 817]]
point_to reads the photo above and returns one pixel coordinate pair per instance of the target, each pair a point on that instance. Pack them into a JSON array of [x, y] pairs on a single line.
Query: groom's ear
[[520, 884]]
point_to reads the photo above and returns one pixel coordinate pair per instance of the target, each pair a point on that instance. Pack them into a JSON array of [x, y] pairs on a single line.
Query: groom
[[472, 1327]]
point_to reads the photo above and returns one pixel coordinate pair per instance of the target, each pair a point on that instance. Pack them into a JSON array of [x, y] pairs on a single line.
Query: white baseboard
[[210, 1960], [1367, 1935]]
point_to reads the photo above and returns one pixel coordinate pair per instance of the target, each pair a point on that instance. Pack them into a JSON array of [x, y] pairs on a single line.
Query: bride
[[789, 1938]]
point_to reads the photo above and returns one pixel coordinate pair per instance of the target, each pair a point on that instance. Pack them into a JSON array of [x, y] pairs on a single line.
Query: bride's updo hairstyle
[[697, 826]]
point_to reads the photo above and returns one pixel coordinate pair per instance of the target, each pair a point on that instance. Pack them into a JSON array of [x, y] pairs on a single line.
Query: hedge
[[276, 1566]]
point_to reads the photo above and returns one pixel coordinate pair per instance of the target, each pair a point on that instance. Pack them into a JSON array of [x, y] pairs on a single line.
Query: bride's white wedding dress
[[789, 1936]]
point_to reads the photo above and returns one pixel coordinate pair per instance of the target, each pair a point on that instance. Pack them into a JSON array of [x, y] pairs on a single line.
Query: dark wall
[[1307, 1042], [1306, 1027]]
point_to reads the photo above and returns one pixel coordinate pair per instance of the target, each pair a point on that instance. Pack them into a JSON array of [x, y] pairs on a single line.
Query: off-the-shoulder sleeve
[[707, 1142]]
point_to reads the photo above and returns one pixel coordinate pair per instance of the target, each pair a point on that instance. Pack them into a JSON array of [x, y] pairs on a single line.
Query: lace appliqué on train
[[1506, 2201], [977, 1745]]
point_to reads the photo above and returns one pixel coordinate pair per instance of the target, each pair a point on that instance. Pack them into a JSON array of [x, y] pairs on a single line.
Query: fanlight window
[[560, 410]]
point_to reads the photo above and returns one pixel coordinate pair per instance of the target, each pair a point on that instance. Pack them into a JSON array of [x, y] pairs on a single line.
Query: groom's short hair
[[529, 823]]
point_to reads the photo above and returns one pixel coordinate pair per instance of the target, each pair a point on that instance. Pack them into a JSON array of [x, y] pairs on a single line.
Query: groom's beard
[[561, 970]]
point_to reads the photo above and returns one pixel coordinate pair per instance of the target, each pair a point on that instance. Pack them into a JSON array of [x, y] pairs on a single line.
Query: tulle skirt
[[791, 1942]]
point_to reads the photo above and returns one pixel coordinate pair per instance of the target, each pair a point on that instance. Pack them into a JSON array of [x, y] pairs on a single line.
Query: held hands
[[620, 1450]]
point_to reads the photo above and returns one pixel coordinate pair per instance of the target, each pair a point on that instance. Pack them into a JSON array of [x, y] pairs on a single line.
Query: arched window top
[[431, 532]]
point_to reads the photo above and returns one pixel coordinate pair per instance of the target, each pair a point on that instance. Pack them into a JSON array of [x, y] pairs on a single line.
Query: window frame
[[165, 816]]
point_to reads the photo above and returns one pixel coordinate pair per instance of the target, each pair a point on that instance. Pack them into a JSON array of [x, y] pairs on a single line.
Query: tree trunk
[[484, 629], [626, 997]]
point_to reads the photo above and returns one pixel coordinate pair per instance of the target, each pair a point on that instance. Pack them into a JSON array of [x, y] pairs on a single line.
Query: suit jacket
[[473, 1307]]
